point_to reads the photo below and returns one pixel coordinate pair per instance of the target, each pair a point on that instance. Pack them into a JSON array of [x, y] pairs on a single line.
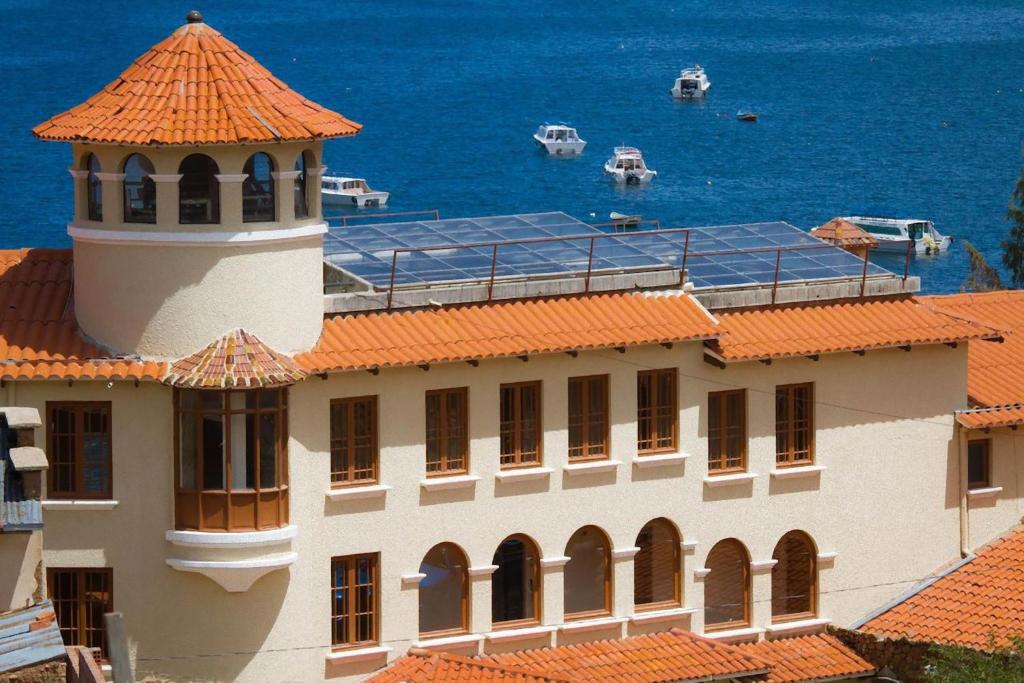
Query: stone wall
[[904, 659], [48, 672]]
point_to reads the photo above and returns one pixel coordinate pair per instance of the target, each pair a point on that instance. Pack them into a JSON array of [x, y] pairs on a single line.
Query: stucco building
[[278, 470]]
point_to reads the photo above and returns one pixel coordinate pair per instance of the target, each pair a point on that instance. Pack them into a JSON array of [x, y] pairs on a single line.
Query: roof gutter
[[903, 597]]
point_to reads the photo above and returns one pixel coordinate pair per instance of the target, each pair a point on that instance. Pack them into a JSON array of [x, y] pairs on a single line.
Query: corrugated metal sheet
[[29, 636]]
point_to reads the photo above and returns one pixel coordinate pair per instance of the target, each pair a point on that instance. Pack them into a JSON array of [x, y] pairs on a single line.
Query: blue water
[[914, 107]]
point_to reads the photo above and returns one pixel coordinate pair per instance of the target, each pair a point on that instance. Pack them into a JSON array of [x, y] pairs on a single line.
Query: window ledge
[[661, 615], [357, 492], [797, 472], [592, 467], [236, 539], [660, 460], [591, 624], [459, 481], [79, 504], [514, 634], [358, 654], [463, 639], [716, 480], [799, 626], [734, 634], [981, 494], [523, 474]]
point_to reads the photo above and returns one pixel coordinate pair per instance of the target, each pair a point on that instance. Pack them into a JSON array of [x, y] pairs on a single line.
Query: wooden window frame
[[657, 403], [585, 444], [350, 584], [442, 433], [747, 591], [81, 603], [788, 457], [722, 397], [609, 570], [517, 426], [813, 596], [677, 574], [987, 482], [538, 601], [349, 471], [464, 599], [79, 409]]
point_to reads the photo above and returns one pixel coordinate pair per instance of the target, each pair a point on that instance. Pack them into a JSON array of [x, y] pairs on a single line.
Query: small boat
[[895, 235], [625, 222], [338, 191], [746, 115], [627, 166], [691, 84], [559, 139]]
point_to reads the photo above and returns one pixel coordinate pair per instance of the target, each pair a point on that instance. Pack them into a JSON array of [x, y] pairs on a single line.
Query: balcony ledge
[[227, 539], [358, 654], [660, 460], [714, 481], [662, 615], [797, 472], [591, 624], [79, 504], [523, 474], [514, 634], [801, 626], [592, 467], [234, 576], [460, 481], [358, 492]]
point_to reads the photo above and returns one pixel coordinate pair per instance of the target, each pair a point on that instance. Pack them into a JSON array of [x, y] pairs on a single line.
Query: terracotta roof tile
[[808, 658], [991, 418], [844, 233], [195, 87], [424, 666], [506, 329], [979, 600], [816, 328], [236, 360]]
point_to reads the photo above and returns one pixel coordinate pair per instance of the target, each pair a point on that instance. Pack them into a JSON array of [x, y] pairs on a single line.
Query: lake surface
[[912, 108]]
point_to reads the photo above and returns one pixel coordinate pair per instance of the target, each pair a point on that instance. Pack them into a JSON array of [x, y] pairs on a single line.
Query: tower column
[[79, 179], [113, 207], [284, 184], [231, 197], [166, 197]]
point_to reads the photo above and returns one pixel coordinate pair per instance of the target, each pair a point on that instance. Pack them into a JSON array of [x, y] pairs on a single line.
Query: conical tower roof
[[195, 87]]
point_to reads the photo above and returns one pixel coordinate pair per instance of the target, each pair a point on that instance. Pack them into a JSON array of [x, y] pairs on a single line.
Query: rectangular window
[[520, 424], [979, 464], [354, 447], [727, 431], [588, 417], [80, 599], [447, 431], [354, 603], [79, 449], [656, 415], [794, 424]]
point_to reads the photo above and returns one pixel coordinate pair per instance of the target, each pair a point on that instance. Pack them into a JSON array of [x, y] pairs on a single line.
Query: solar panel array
[[366, 252]]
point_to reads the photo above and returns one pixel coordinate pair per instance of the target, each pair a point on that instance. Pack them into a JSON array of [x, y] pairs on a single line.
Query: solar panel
[[367, 252]]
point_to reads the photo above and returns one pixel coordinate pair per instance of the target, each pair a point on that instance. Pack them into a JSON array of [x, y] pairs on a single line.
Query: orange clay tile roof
[[506, 329], [39, 338], [844, 233], [982, 598], [991, 418], [816, 328], [808, 658], [196, 87], [236, 360], [425, 666]]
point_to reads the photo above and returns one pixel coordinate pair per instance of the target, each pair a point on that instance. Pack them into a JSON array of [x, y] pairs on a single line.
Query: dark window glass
[[656, 413], [447, 431], [258, 189], [727, 586], [794, 425], [979, 461], [520, 424], [93, 189], [588, 417], [727, 431], [354, 581], [354, 451], [793, 577], [79, 450], [515, 584], [443, 591], [587, 576], [656, 566], [139, 190], [80, 599], [198, 191], [299, 189]]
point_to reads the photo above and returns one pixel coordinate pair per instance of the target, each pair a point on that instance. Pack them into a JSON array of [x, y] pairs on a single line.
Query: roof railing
[[345, 218]]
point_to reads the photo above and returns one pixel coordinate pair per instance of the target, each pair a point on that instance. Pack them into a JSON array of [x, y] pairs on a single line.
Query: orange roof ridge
[[809, 658], [236, 360], [195, 87], [421, 665]]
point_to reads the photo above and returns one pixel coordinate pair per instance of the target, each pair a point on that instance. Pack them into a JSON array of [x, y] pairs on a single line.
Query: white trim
[[358, 492], [762, 565], [798, 626], [660, 460], [228, 539], [827, 558], [234, 576], [514, 634], [102, 176], [701, 572], [79, 173], [624, 553], [482, 570], [199, 239], [523, 474], [797, 472], [689, 546], [285, 175], [318, 171], [460, 481], [231, 177], [591, 624], [78, 504], [987, 492], [165, 177], [662, 615], [412, 579], [464, 639], [735, 634], [547, 562], [714, 481], [592, 467], [358, 655]]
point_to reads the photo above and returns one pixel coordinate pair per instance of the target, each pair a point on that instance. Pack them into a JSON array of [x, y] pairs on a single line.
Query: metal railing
[[345, 218]]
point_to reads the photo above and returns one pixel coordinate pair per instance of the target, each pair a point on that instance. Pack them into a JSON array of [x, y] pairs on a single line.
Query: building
[[292, 452]]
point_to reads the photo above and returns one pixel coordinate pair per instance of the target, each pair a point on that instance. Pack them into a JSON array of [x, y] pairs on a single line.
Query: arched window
[[656, 566], [794, 577], [444, 590], [302, 165], [587, 576], [258, 189], [93, 189], [139, 190], [515, 584], [198, 191], [727, 586]]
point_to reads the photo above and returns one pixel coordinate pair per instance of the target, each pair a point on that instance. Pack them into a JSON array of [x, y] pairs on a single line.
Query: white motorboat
[[627, 166], [338, 191], [559, 139], [691, 84], [895, 234]]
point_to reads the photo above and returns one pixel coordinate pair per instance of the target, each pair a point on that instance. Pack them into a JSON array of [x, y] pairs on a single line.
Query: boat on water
[[559, 139], [627, 166], [339, 191], [899, 234], [746, 115], [691, 84]]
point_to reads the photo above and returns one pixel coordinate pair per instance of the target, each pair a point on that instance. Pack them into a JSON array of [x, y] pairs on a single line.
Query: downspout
[[965, 520]]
